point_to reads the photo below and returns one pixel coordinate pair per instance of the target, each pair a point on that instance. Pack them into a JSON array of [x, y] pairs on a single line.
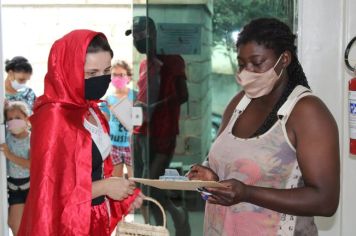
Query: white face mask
[[17, 86], [16, 126], [258, 84]]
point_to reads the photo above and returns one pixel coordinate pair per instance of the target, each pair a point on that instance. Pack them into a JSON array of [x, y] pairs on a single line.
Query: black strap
[[346, 57]]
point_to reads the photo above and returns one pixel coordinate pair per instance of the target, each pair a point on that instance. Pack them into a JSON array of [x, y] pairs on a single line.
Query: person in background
[[16, 150], [277, 153], [19, 71], [162, 89], [72, 190], [120, 137]]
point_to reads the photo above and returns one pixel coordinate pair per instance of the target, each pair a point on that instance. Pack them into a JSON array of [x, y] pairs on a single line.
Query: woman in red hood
[[72, 192]]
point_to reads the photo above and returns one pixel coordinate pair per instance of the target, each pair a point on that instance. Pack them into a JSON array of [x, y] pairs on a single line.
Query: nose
[[249, 67]]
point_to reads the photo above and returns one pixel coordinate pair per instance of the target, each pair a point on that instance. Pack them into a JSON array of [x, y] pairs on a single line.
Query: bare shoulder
[[312, 108], [310, 115]]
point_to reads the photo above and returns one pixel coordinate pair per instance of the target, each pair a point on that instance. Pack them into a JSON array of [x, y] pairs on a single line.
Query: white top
[[99, 136], [268, 160]]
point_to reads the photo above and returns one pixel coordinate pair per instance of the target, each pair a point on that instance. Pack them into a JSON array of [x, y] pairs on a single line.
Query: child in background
[[16, 150], [120, 137], [19, 71]]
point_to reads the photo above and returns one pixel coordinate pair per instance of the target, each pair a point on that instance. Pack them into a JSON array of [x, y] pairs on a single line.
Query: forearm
[[304, 201], [178, 99], [98, 188], [170, 100], [25, 163], [159, 103]]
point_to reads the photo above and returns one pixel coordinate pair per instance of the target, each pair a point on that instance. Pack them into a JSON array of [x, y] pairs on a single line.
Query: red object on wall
[[352, 99], [352, 115]]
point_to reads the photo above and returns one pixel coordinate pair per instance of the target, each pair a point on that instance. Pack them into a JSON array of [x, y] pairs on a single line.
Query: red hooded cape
[[59, 201]]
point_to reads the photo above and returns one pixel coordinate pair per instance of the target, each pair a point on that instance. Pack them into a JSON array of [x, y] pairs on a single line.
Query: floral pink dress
[[268, 160]]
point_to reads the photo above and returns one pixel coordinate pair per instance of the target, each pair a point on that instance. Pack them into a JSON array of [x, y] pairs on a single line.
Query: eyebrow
[[93, 69], [250, 57]]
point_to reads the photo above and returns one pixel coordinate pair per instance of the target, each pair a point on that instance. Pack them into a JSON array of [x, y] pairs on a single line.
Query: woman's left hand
[[234, 192]]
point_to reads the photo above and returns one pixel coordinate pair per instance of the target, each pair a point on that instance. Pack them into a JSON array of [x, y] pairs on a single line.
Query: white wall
[[325, 27], [32, 37], [348, 225], [3, 188]]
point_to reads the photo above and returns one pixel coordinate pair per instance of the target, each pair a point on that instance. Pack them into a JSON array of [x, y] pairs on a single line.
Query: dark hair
[[99, 44], [275, 35], [18, 64]]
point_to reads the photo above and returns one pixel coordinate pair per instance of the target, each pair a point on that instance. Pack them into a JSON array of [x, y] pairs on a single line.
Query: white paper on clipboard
[[127, 114]]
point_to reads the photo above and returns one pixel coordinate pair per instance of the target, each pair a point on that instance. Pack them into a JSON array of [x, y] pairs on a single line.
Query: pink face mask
[[258, 84], [120, 82], [16, 126]]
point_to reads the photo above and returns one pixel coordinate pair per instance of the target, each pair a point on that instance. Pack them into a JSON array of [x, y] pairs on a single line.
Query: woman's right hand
[[119, 188], [199, 172]]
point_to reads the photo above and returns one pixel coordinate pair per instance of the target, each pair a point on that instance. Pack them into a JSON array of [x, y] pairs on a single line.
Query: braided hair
[[18, 64], [277, 36]]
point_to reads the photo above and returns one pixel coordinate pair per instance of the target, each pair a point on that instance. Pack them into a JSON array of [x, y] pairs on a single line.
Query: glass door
[[184, 61]]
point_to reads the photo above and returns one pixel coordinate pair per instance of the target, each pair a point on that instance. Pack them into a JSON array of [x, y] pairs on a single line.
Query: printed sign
[[178, 39]]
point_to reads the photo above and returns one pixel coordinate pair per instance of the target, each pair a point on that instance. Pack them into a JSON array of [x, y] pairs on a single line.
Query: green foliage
[[232, 15]]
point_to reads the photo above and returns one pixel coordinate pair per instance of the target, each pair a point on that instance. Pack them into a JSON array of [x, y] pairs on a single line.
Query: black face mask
[[141, 45], [95, 87]]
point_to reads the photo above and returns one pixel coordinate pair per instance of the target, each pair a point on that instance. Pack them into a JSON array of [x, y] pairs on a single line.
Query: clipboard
[[190, 185], [127, 114]]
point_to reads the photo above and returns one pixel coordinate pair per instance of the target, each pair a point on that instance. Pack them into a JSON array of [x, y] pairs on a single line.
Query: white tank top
[[268, 160]]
